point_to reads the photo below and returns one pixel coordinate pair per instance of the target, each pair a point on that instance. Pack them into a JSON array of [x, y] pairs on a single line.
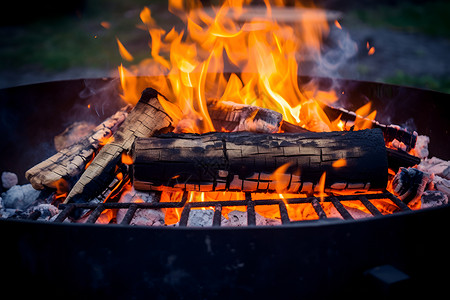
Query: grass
[[55, 44], [429, 18], [441, 84]]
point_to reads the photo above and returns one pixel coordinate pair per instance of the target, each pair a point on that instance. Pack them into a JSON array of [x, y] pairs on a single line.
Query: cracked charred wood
[[72, 160], [398, 158], [230, 116], [146, 119], [390, 132], [409, 184], [244, 161]]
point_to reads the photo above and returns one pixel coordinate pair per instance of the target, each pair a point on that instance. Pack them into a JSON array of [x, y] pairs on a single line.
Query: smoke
[[337, 51]]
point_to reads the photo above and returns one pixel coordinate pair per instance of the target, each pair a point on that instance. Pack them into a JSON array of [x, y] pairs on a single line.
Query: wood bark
[[244, 161], [72, 160], [146, 119], [390, 132], [231, 117]]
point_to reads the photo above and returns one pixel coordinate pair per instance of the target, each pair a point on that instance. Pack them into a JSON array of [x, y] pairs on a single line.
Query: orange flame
[[127, 159], [267, 52]]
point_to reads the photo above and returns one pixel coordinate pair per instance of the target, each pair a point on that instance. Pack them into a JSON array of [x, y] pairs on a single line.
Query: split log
[[146, 119], [409, 184], [244, 161], [231, 117], [72, 160]]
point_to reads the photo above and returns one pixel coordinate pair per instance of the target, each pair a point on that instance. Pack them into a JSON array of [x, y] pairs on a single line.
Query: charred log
[[409, 184], [251, 162], [390, 132], [147, 118], [72, 160], [230, 116]]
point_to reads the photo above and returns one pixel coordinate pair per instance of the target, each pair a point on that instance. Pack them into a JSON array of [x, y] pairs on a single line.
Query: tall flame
[[266, 52]]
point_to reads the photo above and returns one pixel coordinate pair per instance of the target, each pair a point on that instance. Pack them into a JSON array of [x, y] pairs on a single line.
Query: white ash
[[421, 148], [20, 197], [436, 166], [442, 184], [239, 218], [133, 196], [144, 217], [9, 180], [433, 199], [200, 218], [47, 211]]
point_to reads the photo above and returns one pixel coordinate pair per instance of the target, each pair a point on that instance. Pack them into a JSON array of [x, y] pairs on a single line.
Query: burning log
[[251, 162], [390, 132], [230, 116], [409, 184], [72, 160], [146, 119]]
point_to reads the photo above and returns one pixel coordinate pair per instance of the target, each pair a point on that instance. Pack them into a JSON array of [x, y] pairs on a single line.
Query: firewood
[[244, 161], [390, 132], [230, 116], [409, 184], [146, 119], [72, 160], [396, 158]]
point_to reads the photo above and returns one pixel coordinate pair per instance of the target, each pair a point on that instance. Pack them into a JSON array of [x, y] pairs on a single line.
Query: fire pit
[[324, 257], [231, 152]]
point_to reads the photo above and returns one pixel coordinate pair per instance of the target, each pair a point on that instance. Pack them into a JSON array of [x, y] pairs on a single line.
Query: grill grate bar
[[217, 218], [129, 214], [398, 202], [284, 213], [95, 214], [340, 208], [251, 217], [318, 208], [373, 210], [283, 206]]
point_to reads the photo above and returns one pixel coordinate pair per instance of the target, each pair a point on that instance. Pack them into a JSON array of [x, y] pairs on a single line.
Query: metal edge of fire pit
[[310, 259]]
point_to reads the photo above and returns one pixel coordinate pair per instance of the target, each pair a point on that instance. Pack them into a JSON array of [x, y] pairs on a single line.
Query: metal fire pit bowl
[[394, 255]]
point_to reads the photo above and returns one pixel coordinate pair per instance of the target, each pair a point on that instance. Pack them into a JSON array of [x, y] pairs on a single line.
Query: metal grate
[[96, 209]]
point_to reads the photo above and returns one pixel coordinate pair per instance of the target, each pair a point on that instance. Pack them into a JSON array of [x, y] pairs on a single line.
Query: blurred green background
[[48, 41]]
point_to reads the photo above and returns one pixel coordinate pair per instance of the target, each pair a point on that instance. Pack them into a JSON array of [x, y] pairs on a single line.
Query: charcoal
[[46, 211], [433, 199], [409, 184], [9, 180]]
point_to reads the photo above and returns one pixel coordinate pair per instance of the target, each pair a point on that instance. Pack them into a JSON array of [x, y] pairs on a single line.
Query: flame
[[127, 159], [339, 163], [268, 55], [124, 52], [266, 52], [337, 24]]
